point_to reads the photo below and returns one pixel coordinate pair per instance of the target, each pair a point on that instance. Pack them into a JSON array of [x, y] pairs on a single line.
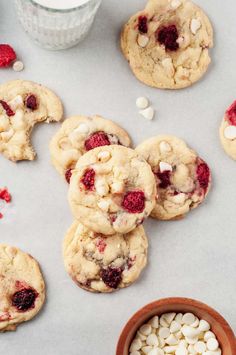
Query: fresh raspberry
[[112, 276], [1, 215], [168, 36], [142, 24], [164, 178], [97, 139], [31, 102], [7, 55], [231, 114], [101, 245], [24, 299], [68, 175], [88, 179], [4, 195], [203, 175], [134, 202], [7, 108]]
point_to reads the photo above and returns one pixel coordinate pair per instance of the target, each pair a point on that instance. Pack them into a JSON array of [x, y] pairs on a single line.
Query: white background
[[194, 257]]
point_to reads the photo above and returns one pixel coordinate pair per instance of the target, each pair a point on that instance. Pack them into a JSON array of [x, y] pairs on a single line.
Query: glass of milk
[[57, 24]]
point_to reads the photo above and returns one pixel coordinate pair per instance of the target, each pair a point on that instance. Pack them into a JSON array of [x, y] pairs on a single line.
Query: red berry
[[4, 195], [134, 202], [24, 299], [112, 276], [1, 215], [97, 139], [68, 175], [7, 55], [101, 245], [88, 179], [203, 175], [7, 108], [231, 114], [168, 36], [31, 102], [142, 24], [164, 178]]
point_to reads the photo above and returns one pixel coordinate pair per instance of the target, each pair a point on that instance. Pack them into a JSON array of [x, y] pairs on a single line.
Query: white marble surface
[[194, 257]]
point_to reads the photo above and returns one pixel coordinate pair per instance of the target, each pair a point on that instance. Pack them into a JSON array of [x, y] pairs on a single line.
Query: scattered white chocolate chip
[[204, 326], [104, 205], [148, 113], [18, 66], [164, 167], [104, 156], [117, 187], [230, 132], [82, 128], [142, 40], [188, 318], [195, 25], [175, 4], [142, 102]]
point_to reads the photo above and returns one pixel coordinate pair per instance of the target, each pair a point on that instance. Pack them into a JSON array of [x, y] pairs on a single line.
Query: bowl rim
[[177, 301]]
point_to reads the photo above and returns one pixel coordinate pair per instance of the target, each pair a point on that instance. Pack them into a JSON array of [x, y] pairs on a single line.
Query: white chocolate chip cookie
[[100, 264], [228, 131], [182, 178], [167, 44], [80, 134], [112, 190], [22, 289], [22, 105]]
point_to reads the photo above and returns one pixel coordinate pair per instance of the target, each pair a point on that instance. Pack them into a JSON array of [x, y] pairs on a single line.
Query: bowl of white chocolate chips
[[176, 326]]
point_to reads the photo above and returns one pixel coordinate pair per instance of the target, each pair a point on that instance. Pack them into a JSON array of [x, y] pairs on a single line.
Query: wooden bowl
[[218, 324]]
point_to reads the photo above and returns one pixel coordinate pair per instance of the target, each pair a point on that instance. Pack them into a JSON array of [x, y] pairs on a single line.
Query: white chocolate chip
[[175, 4], [195, 25], [142, 40], [152, 340], [117, 187], [16, 102], [142, 102], [154, 322], [6, 136], [82, 128], [169, 317], [171, 340], [181, 351], [164, 147], [190, 332], [230, 132], [104, 156], [140, 335], [104, 205], [204, 326], [170, 349], [195, 324], [165, 167], [188, 318], [200, 347], [136, 352], [146, 329], [212, 344], [18, 66], [163, 322], [168, 66], [179, 318], [135, 345], [174, 327], [178, 199], [164, 332], [146, 349], [148, 113], [208, 335], [101, 187]]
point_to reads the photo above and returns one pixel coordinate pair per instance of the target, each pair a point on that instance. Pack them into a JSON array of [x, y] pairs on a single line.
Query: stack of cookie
[[113, 189]]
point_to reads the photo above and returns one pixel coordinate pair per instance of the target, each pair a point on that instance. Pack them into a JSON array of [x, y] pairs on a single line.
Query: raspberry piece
[[168, 36], [4, 195], [203, 175], [134, 202], [164, 178], [31, 102], [88, 179], [7, 108], [97, 139], [112, 276], [1, 215], [142, 24], [231, 114], [68, 175], [101, 245], [7, 55], [24, 299]]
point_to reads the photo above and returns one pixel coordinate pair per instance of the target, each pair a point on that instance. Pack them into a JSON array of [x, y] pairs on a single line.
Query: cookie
[[104, 264], [182, 178], [22, 105], [112, 190], [167, 44], [228, 131], [80, 134], [22, 289]]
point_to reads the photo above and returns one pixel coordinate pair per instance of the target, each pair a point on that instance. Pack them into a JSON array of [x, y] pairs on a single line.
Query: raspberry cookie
[[100, 264], [80, 134], [182, 178], [22, 289], [228, 131], [167, 44], [112, 190], [22, 105]]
